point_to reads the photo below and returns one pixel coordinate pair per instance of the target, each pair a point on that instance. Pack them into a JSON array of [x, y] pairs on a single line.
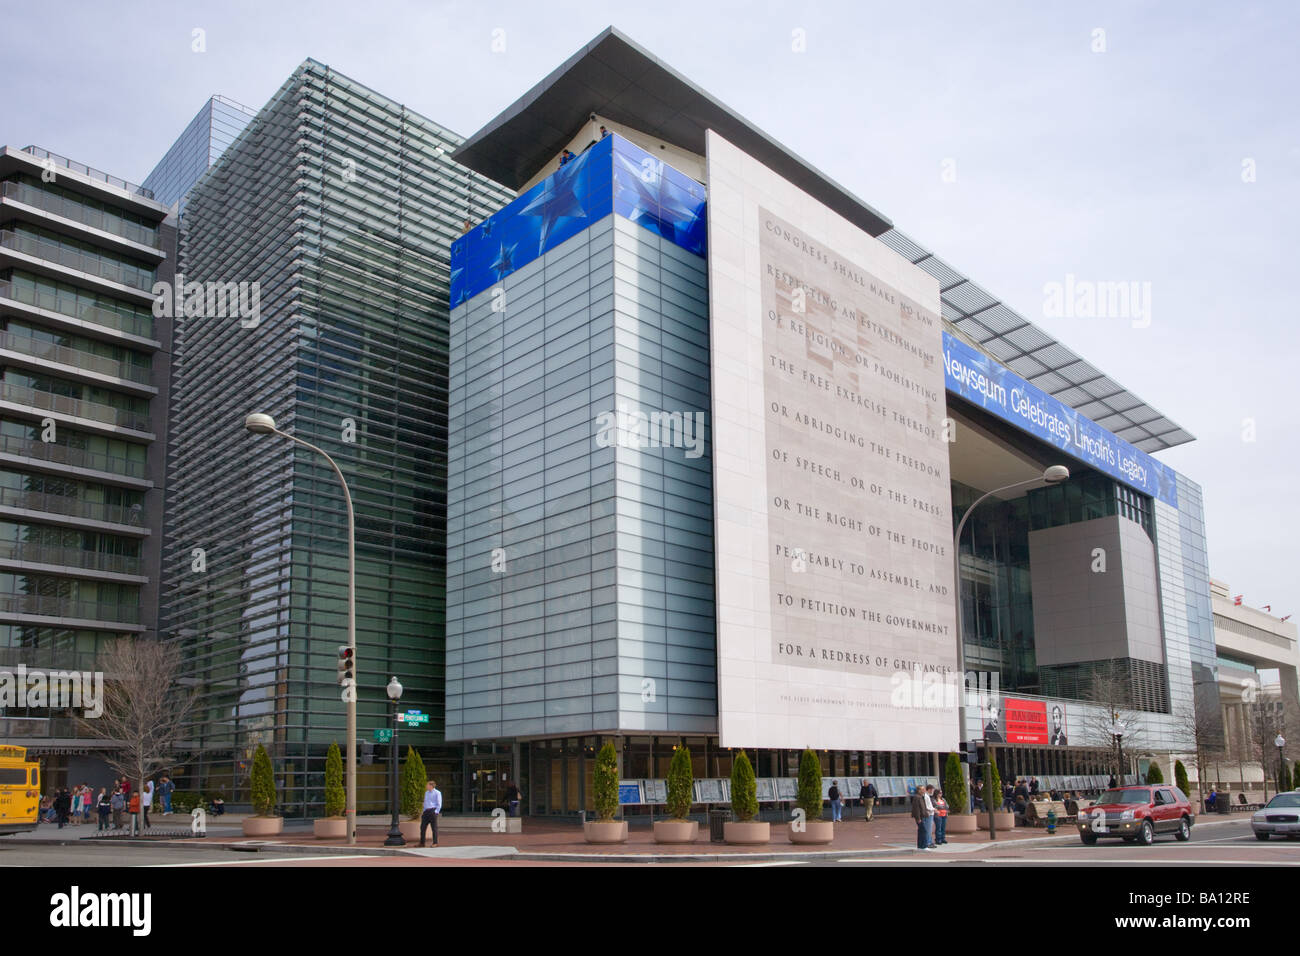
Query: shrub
[[414, 781], [808, 797], [744, 789], [604, 786], [262, 784], [183, 801], [336, 799], [1180, 778], [1153, 773], [992, 787], [679, 784], [954, 785]]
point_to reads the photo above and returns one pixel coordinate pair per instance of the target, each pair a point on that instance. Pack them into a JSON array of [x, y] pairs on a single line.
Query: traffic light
[[347, 666], [969, 750]]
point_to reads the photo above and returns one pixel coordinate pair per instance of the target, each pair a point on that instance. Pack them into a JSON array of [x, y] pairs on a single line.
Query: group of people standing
[[930, 811], [74, 805]]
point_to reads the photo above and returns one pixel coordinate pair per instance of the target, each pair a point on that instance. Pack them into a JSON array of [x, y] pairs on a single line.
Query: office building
[[83, 411], [207, 136], [329, 219], [707, 459]]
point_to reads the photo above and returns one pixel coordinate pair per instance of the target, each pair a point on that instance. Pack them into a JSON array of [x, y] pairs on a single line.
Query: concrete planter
[[747, 834], [676, 831], [330, 828], [1005, 818], [605, 831], [263, 826], [816, 831], [961, 823], [410, 830]]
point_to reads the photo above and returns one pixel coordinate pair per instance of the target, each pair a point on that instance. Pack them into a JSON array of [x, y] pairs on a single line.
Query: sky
[[1024, 143]]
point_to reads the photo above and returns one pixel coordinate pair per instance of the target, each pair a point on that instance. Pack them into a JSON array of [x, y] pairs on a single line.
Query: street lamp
[[394, 690], [262, 424], [1117, 731], [1279, 742], [1053, 475]]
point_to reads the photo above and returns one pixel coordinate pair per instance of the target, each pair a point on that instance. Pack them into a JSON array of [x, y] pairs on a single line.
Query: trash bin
[[717, 834]]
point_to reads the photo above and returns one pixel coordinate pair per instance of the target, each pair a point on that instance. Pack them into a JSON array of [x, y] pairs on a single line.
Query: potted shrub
[[1006, 819], [954, 791], [334, 825], [264, 822], [678, 828], [808, 798], [414, 781], [744, 805], [1180, 778], [604, 794], [1153, 773]]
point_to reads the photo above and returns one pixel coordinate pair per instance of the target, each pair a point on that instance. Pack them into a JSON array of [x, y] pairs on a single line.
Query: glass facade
[[208, 135], [580, 555], [341, 204]]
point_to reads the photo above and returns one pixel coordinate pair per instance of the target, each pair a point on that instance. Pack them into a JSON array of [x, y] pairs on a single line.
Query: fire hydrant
[[1051, 820]]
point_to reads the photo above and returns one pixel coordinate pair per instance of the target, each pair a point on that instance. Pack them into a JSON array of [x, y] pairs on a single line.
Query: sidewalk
[[545, 839]]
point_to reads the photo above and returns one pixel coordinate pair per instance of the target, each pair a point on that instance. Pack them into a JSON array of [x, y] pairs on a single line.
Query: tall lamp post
[[261, 424], [1053, 476], [395, 837], [1117, 731], [1279, 742]]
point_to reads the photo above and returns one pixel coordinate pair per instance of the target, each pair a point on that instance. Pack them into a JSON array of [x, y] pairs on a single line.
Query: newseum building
[[713, 424]]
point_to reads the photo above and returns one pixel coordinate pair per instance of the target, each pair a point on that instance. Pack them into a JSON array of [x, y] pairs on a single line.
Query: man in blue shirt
[[432, 807]]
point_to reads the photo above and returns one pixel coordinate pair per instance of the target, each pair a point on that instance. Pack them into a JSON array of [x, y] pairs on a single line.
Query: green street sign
[[383, 736], [413, 718]]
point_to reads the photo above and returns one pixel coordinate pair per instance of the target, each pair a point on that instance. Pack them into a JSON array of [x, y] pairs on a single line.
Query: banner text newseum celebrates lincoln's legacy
[[983, 382]]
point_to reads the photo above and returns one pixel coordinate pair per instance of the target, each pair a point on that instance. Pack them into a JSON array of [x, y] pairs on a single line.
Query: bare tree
[[145, 709], [1266, 718], [1205, 730], [1116, 725]]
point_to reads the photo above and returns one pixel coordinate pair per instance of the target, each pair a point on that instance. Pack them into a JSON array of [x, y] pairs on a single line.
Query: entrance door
[[488, 776]]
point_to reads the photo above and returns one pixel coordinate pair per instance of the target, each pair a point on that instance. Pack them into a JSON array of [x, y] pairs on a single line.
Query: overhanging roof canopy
[[618, 79]]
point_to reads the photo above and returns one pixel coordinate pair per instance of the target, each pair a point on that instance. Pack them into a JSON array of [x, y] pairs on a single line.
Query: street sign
[[383, 735], [413, 718]]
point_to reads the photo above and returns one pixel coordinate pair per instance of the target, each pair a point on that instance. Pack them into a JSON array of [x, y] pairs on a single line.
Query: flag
[[1236, 600], [1268, 607]]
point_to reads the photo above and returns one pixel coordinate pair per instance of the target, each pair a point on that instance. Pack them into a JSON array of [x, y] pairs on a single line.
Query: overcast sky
[[1023, 142]]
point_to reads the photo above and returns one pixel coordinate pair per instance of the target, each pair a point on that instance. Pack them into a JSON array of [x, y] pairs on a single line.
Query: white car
[[1281, 816]]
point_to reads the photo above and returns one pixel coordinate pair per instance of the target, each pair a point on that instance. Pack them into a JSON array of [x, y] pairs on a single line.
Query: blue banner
[[996, 389], [612, 175]]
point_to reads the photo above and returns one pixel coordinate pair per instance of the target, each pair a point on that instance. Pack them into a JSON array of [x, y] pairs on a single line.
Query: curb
[[299, 849]]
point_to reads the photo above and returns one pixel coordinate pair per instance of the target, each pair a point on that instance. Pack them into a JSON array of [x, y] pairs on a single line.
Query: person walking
[[836, 802], [868, 796], [146, 801], [940, 819], [117, 802], [919, 815], [105, 807], [432, 807]]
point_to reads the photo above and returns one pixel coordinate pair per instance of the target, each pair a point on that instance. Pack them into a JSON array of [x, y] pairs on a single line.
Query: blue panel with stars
[[611, 176]]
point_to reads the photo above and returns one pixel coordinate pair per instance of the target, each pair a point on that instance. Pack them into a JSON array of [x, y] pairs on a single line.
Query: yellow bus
[[20, 790]]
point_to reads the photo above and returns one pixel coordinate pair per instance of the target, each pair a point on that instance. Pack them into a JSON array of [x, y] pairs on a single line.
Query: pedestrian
[[118, 804], [940, 818], [919, 815], [836, 802], [512, 800], [88, 803], [929, 816], [1111, 785], [133, 808], [165, 788], [1033, 786], [105, 806], [77, 797], [1211, 800], [432, 807], [62, 806], [868, 796], [146, 801]]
